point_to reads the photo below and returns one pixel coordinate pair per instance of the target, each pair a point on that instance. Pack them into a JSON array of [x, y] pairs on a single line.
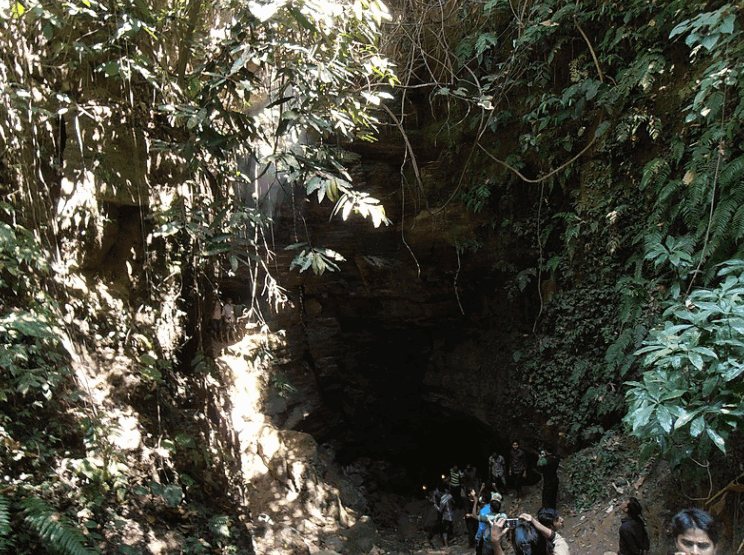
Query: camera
[[512, 522]]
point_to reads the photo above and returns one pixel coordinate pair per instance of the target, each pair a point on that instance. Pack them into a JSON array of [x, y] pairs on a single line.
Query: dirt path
[[593, 532]]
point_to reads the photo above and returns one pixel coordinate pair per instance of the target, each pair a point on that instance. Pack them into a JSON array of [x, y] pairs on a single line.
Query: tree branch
[[544, 177]]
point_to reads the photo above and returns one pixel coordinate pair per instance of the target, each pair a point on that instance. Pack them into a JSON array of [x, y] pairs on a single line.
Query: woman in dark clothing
[[633, 536], [547, 465]]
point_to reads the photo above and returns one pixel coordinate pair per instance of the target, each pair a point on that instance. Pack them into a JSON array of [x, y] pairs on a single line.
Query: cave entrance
[[415, 450]]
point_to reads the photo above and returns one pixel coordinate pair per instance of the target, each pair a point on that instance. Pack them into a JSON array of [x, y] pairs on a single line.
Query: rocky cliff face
[[408, 347], [399, 363]]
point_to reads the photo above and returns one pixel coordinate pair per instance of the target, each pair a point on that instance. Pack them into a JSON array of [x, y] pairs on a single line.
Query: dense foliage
[[167, 112], [690, 399], [614, 130], [606, 136]]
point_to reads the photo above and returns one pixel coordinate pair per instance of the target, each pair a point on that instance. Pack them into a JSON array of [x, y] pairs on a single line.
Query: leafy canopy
[[194, 92]]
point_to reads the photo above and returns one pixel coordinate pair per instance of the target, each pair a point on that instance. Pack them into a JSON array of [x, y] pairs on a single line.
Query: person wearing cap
[[487, 516]]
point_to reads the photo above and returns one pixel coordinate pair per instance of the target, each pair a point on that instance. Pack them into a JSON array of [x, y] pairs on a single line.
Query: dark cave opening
[[417, 448], [382, 401]]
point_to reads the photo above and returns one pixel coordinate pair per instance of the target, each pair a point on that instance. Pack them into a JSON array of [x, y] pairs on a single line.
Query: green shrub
[[689, 400]]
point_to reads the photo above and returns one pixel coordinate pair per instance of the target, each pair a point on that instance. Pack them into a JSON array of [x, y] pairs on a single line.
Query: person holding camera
[[548, 522], [487, 516], [525, 538], [479, 500]]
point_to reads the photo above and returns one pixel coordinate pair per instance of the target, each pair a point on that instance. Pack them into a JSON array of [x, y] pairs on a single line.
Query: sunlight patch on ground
[[249, 379], [127, 435]]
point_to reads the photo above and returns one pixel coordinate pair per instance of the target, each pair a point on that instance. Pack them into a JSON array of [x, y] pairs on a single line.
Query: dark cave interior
[[378, 406]]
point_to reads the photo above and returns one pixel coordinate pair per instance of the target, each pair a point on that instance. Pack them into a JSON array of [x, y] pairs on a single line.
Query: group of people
[[695, 531], [223, 320], [514, 473], [505, 473], [493, 524], [464, 489], [450, 496]]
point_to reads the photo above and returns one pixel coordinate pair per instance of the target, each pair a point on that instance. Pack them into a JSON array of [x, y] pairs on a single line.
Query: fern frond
[[641, 71], [737, 226], [731, 199], [713, 104], [656, 171], [676, 150], [4, 516], [6, 541], [652, 65], [670, 192], [652, 239], [722, 215], [53, 528], [617, 354], [696, 203], [710, 140], [732, 173]]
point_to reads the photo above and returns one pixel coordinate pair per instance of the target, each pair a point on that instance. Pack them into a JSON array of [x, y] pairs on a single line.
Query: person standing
[[470, 480], [455, 481], [217, 318], [471, 522], [228, 313], [447, 509], [496, 467], [517, 468], [487, 516], [433, 519], [548, 467], [633, 536]]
